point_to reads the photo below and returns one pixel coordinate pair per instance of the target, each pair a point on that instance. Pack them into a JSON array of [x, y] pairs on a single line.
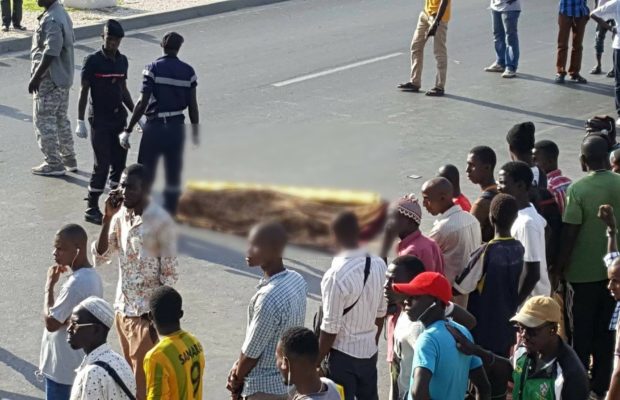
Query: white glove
[[124, 140], [80, 130]]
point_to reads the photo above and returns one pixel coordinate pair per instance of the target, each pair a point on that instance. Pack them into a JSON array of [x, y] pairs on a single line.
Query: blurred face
[[431, 201], [613, 273], [259, 252], [111, 43], [80, 330], [540, 159], [282, 364], [64, 252], [397, 222], [395, 274], [506, 185], [476, 171], [132, 190], [416, 306], [536, 339]]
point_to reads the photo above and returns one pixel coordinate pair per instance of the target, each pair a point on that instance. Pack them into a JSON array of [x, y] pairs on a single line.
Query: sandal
[[435, 92], [409, 87]]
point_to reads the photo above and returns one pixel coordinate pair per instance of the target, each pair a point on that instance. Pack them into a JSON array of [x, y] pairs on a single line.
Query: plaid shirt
[[557, 185], [279, 304], [609, 259], [574, 8]]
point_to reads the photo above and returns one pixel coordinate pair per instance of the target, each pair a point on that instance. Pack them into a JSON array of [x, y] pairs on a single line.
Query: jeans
[[506, 37], [56, 391], [599, 38]]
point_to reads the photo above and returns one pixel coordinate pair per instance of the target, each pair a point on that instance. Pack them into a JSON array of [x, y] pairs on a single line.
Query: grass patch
[[31, 5]]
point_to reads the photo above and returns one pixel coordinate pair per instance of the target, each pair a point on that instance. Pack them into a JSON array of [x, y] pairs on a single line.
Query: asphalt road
[[303, 93]]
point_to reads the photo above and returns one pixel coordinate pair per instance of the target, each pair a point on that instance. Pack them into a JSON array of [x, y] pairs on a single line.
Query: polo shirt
[[107, 77], [424, 248], [557, 185], [583, 199], [431, 7]]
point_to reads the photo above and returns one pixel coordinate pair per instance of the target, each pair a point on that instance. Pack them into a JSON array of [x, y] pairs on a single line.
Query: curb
[[146, 20]]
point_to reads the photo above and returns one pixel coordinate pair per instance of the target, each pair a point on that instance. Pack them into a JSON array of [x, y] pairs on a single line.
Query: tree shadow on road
[[22, 367]]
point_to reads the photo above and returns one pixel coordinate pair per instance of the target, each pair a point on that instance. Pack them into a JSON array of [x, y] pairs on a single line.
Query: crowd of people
[[514, 295]]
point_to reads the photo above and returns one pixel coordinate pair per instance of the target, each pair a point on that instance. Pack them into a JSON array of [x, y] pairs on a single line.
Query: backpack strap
[[116, 378], [366, 273]]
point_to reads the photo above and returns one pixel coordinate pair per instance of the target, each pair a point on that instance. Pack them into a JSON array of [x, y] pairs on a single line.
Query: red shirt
[[557, 185], [426, 249], [462, 201]]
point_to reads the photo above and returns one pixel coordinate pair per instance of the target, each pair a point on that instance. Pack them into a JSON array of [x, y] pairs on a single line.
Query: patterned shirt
[[557, 185], [574, 8], [146, 249], [94, 382], [609, 259], [279, 304]]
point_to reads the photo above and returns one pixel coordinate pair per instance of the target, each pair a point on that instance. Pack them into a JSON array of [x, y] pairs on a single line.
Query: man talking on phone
[[58, 361], [142, 237]]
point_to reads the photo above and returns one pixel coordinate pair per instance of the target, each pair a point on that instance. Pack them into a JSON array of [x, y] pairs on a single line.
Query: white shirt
[[502, 5], [610, 10], [93, 382], [529, 229], [341, 286], [458, 235], [406, 333]]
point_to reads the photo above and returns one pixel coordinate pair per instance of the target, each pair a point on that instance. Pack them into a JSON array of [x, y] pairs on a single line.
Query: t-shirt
[[610, 10], [495, 299], [329, 391], [529, 229], [58, 361], [480, 210], [583, 199], [463, 201], [436, 351], [174, 368], [431, 7], [505, 5]]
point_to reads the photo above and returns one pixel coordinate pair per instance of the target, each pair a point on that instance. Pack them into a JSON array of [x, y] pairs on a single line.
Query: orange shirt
[[431, 7]]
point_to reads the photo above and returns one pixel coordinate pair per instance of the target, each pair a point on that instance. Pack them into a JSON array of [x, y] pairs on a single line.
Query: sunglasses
[[531, 332]]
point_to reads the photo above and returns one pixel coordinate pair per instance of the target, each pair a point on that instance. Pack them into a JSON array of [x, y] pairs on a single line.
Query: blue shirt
[[169, 82], [436, 351], [574, 8], [279, 304]]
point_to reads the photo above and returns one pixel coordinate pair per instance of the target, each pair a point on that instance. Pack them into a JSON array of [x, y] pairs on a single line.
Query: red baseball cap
[[427, 283]]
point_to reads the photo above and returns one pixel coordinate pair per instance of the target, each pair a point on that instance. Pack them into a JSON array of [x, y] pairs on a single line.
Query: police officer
[[168, 88], [104, 75]]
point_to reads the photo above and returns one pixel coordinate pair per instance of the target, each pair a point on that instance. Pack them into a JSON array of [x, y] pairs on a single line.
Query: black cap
[[113, 28], [172, 41]]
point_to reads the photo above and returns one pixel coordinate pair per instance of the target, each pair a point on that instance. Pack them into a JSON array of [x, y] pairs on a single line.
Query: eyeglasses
[[74, 325], [531, 332]]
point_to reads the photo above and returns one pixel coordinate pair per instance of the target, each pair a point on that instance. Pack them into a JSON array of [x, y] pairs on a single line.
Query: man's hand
[[80, 130], [53, 275], [433, 29], [123, 139], [232, 382], [462, 343], [112, 205], [33, 85], [606, 214]]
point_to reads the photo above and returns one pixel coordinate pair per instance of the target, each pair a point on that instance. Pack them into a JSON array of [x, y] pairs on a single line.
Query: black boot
[[171, 201], [92, 213]]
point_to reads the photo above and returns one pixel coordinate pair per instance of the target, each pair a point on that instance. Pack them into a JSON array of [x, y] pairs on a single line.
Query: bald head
[[451, 173], [437, 194], [594, 153]]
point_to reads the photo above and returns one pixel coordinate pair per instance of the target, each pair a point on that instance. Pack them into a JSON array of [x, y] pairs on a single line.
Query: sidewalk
[[126, 8]]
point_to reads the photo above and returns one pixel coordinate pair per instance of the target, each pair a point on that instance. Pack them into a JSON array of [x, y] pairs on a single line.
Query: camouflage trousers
[[51, 123]]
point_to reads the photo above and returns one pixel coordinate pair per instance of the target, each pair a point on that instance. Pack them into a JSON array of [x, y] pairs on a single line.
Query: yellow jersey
[[431, 7], [174, 368]]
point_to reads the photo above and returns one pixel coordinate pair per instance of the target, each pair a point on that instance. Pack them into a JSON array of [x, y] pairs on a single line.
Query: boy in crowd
[[451, 173], [545, 156], [481, 162]]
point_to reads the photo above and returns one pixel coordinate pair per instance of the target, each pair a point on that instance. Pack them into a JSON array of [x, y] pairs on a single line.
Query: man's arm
[[479, 378], [463, 317], [570, 232], [333, 309], [138, 111], [53, 274], [606, 214], [106, 241], [243, 367], [379, 323], [83, 100], [532, 276], [443, 6], [194, 116], [614, 386], [326, 341], [54, 39], [421, 384], [35, 80], [127, 100]]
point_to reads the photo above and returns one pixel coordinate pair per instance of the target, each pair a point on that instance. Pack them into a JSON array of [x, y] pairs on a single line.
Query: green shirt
[[583, 199]]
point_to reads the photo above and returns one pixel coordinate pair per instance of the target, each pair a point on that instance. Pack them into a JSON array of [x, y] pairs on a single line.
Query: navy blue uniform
[[107, 118], [169, 82]]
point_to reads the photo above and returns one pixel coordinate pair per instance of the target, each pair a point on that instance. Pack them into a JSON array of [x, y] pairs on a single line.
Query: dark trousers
[[617, 78], [110, 158], [167, 140], [16, 16], [599, 38], [592, 309], [357, 376], [576, 26]]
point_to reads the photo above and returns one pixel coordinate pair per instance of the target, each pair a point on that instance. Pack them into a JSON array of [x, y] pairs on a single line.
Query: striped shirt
[[279, 304], [174, 368], [458, 235], [341, 286], [574, 8], [557, 185]]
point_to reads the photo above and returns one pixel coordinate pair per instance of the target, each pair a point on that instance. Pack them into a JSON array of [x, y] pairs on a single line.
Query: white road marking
[[334, 70]]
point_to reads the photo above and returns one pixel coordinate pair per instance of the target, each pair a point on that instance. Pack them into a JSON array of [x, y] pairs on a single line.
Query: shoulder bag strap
[[116, 378], [366, 273]]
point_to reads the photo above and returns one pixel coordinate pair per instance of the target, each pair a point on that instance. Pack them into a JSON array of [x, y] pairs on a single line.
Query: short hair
[[345, 224], [139, 171], [412, 264], [504, 210], [451, 173], [520, 137], [172, 41], [300, 342], [75, 234], [271, 233], [166, 305], [519, 172], [548, 148], [594, 149], [485, 154]]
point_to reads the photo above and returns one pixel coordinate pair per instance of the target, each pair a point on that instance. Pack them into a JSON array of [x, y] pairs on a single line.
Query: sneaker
[[509, 74], [93, 215], [596, 70], [409, 87], [71, 165], [5, 28], [48, 170], [560, 78], [20, 28], [495, 67], [577, 79], [611, 74]]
